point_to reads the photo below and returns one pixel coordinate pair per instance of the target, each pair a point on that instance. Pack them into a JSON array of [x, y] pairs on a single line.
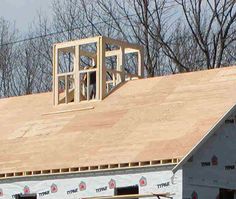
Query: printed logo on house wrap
[[82, 186], [54, 188], [162, 185], [194, 195], [214, 160], [143, 181], [44, 193], [100, 189], [26, 190], [72, 191], [1, 192], [112, 184]]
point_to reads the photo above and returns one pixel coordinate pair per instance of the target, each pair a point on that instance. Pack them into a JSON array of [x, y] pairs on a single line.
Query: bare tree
[[130, 21], [43, 48], [212, 24], [177, 35], [7, 35]]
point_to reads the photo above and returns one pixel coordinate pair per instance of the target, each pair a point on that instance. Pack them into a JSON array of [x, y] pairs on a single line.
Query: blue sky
[[23, 12]]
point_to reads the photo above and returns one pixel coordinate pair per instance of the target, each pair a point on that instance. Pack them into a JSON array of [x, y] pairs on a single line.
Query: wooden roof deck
[[145, 122]]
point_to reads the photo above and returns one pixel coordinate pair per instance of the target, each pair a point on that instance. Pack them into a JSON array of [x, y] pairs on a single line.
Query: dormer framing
[[74, 86]]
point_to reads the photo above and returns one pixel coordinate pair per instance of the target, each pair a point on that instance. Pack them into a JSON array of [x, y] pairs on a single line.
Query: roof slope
[[149, 119]]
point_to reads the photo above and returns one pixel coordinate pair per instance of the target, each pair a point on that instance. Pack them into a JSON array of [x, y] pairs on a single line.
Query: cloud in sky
[[23, 12]]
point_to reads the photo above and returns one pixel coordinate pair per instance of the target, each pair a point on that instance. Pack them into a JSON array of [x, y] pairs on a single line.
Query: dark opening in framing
[[227, 194], [26, 196], [127, 190]]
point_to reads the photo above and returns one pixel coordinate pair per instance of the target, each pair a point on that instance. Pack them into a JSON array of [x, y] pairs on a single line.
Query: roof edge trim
[[205, 138]]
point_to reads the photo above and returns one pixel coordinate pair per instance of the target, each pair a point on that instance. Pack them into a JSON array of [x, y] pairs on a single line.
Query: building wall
[[213, 166], [150, 180]]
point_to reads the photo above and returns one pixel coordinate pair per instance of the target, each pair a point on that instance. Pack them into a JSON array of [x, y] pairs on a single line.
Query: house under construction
[[106, 132]]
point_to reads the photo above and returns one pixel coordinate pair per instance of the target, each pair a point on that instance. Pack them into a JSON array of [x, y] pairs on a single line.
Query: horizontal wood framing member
[[94, 40], [133, 196], [82, 169]]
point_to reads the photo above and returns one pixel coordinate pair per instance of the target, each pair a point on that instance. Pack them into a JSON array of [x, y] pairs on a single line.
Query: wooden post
[[56, 82], [140, 63], [102, 67], [113, 79], [54, 74], [97, 61], [88, 85], [76, 74], [66, 89], [121, 64]]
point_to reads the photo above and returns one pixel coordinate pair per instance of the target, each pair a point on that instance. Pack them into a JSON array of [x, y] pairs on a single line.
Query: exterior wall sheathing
[[149, 180], [213, 166]]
